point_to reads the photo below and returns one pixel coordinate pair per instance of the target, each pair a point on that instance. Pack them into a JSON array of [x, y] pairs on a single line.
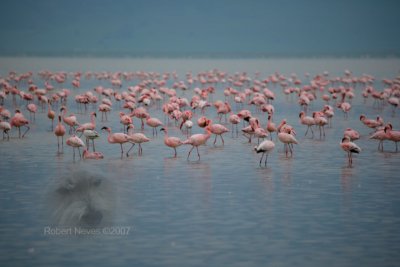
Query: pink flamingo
[[288, 140], [59, 131], [92, 155], [380, 135], [51, 114], [153, 123], [345, 106], [234, 120], [125, 119], [171, 141], [370, 123], [350, 148], [265, 148], [218, 130], [197, 140], [392, 135], [71, 120], [321, 121], [75, 142], [5, 127], [307, 120], [271, 126], [32, 108], [136, 138], [89, 125], [352, 134], [18, 121], [117, 138]]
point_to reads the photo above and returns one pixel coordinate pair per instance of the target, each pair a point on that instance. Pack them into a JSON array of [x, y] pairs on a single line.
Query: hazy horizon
[[200, 29]]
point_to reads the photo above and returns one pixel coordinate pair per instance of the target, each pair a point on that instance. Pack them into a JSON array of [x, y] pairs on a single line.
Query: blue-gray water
[[224, 210]]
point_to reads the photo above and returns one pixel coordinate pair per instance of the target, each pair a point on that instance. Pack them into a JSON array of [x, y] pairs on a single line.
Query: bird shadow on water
[[80, 198]]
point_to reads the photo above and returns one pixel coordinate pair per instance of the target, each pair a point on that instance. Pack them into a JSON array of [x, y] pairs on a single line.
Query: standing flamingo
[[91, 135], [50, 114], [234, 120], [288, 140], [392, 135], [307, 120], [265, 148], [136, 138], [89, 125], [197, 140], [59, 131], [171, 141], [5, 127], [71, 120], [218, 130], [18, 121], [154, 123], [117, 138], [271, 126], [350, 148], [32, 108], [75, 142]]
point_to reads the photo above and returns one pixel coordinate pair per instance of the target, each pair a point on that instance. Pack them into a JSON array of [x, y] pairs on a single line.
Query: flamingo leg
[[175, 152], [27, 129], [266, 159], [198, 154], [127, 153], [94, 149], [215, 139], [190, 151], [261, 158], [223, 143]]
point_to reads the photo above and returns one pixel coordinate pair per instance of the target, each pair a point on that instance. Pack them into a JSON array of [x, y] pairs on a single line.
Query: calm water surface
[[224, 210]]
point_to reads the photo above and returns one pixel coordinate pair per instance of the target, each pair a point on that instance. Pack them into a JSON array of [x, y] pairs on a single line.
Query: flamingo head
[[106, 128]]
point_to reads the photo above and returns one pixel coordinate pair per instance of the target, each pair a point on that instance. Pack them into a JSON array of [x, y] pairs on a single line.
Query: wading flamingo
[[350, 148], [117, 138], [136, 138], [265, 148], [171, 141], [59, 131], [75, 142], [197, 140]]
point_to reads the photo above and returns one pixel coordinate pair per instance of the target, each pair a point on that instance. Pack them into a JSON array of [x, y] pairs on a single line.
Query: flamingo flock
[[197, 102]]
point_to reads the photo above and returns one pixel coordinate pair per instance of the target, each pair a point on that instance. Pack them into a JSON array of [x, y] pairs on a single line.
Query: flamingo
[[5, 127], [265, 148], [59, 131], [92, 155], [380, 135], [50, 114], [91, 135], [32, 108], [18, 121], [154, 123], [71, 120], [89, 125], [287, 139], [352, 134], [271, 126], [197, 140], [392, 135], [350, 148], [218, 130], [117, 138], [234, 120], [307, 120], [75, 142], [171, 141], [321, 121], [136, 138]]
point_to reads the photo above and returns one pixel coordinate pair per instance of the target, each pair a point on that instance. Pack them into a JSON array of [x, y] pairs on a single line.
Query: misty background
[[207, 28]]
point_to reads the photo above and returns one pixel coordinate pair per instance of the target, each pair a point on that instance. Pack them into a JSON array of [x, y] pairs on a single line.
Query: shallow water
[[224, 210]]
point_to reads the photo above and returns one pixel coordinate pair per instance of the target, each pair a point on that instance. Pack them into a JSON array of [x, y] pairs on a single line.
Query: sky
[[205, 28]]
